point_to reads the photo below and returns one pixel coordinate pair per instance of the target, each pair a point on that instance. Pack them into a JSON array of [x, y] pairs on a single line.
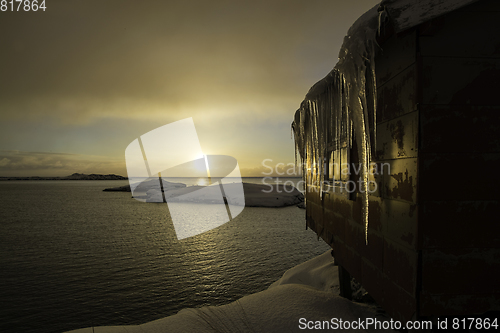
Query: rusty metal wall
[[459, 159], [386, 266], [433, 239]]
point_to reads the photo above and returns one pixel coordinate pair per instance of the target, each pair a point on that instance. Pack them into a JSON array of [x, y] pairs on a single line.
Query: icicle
[[343, 102]]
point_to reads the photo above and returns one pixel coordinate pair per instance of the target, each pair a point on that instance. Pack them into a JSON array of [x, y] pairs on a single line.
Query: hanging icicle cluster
[[345, 100]]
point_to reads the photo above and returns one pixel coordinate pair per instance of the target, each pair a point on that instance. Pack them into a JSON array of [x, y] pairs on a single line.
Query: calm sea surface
[[73, 256]]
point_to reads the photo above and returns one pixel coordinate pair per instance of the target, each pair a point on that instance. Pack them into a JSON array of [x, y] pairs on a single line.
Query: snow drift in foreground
[[308, 291]]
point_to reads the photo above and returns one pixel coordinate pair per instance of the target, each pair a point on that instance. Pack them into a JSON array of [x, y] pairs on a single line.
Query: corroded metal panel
[[398, 96], [400, 304], [470, 222], [482, 6], [409, 13], [396, 54], [355, 236], [454, 129], [401, 265], [460, 177], [467, 271], [437, 121], [445, 304], [398, 138], [338, 214], [456, 39], [351, 260], [401, 182], [396, 301], [375, 215], [399, 222], [458, 161], [314, 209], [371, 277], [460, 81], [373, 252]]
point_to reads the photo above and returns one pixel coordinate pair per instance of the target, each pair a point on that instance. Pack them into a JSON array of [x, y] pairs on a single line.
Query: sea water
[[73, 256]]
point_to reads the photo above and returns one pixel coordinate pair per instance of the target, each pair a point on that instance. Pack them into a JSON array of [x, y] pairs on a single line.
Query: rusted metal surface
[[460, 81], [459, 128], [398, 53], [483, 266], [410, 13], [460, 39], [472, 281], [398, 138], [474, 220], [398, 96], [454, 305], [401, 182], [433, 244], [459, 241], [459, 176], [400, 265], [400, 222], [482, 6]]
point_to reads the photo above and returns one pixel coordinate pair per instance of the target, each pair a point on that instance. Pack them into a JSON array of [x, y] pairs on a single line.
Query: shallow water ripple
[[72, 256]]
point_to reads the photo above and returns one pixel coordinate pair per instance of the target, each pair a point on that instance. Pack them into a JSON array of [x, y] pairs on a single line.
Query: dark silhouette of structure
[[401, 157]]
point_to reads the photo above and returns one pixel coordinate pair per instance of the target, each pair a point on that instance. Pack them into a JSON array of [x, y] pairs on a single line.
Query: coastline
[[75, 176], [306, 294]]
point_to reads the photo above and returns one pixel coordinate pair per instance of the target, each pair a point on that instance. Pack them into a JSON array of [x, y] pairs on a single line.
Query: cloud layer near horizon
[[47, 164], [237, 64]]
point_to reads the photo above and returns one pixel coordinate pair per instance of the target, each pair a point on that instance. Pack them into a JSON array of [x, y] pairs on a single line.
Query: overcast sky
[[83, 79]]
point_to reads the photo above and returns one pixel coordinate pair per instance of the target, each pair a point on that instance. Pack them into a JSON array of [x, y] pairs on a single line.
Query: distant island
[[75, 176], [256, 195]]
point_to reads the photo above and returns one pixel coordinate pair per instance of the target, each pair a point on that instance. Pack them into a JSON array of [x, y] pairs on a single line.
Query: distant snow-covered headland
[[75, 176], [256, 195]]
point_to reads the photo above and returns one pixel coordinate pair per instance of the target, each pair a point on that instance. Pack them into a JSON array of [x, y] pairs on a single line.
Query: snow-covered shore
[[305, 296]]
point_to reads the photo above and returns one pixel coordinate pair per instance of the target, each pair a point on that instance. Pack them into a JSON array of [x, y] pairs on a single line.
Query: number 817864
[[20, 5]]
